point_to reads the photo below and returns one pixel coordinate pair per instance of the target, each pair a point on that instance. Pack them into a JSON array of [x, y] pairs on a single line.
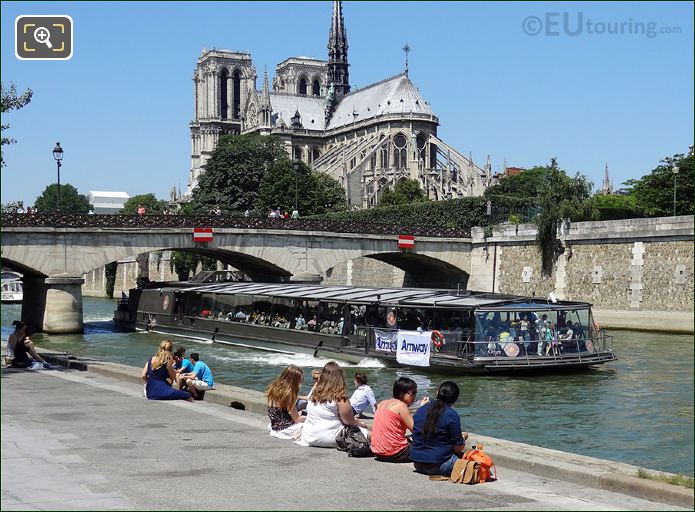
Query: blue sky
[[121, 106]]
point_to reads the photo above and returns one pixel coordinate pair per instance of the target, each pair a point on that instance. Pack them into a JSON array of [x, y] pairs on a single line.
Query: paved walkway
[[78, 440]]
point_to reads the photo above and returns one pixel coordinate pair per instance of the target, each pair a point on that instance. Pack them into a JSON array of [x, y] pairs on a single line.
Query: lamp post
[[295, 165], [58, 155], [674, 170]]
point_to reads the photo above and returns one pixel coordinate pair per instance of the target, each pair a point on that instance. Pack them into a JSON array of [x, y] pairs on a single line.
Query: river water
[[637, 410]]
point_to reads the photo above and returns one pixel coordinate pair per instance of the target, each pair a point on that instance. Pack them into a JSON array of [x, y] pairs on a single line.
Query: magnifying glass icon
[[43, 36]]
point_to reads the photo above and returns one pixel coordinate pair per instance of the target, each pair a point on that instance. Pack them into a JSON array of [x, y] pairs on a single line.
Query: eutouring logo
[[555, 24]]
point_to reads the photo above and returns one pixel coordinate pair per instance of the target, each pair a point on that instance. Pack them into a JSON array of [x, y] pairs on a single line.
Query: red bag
[[487, 471]]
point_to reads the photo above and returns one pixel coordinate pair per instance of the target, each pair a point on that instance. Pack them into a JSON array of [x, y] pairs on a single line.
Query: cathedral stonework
[[368, 139]]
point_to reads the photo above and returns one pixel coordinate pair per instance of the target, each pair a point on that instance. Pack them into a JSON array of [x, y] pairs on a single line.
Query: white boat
[[11, 287]]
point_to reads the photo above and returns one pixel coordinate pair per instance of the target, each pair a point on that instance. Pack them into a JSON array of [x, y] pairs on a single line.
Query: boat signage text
[[385, 340], [413, 348]]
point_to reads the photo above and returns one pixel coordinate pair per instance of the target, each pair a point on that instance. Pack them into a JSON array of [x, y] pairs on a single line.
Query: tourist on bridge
[[200, 379], [158, 372], [437, 438]]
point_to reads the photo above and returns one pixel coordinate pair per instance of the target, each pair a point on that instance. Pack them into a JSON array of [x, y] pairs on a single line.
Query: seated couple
[[328, 410], [437, 440], [164, 369]]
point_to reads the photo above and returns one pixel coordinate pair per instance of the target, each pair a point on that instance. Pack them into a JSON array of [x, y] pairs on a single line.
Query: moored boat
[[460, 332], [11, 287]]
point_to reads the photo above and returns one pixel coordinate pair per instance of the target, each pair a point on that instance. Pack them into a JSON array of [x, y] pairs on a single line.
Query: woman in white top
[[328, 410]]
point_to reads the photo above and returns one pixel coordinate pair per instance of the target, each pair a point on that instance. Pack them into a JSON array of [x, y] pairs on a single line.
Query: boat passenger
[[329, 410], [157, 373], [20, 347], [363, 396], [389, 442], [437, 438], [341, 326], [300, 322], [285, 420], [240, 316], [311, 324]]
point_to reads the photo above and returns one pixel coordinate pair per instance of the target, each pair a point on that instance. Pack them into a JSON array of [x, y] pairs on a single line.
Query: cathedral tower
[[338, 74]]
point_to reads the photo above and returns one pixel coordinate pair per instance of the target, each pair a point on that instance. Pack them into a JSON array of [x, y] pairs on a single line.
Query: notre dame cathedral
[[368, 139]]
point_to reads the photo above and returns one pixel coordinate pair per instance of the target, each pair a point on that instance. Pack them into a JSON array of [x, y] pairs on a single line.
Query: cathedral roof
[[396, 95], [309, 107]]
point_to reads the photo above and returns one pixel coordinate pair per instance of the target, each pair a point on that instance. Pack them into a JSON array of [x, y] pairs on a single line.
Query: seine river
[[637, 410]]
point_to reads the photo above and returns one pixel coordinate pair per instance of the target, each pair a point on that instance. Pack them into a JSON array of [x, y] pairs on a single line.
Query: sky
[[511, 80]]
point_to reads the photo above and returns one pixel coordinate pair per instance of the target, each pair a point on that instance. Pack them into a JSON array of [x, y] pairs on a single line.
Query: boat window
[[225, 304], [260, 310], [330, 317], [416, 319], [357, 317], [284, 312], [208, 305], [192, 304]]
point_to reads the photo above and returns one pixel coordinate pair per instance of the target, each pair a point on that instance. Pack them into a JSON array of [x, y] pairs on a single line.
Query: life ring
[[437, 339]]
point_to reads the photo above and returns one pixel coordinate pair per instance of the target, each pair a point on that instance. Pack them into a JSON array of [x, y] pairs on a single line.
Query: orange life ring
[[437, 339]]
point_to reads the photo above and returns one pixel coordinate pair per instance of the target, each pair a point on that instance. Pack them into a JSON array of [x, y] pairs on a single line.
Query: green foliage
[[561, 197], [528, 184], [234, 172], [110, 272], [681, 480], [207, 263], [71, 201], [612, 207], [654, 192], [406, 191], [152, 205], [454, 213], [315, 193], [10, 101], [183, 263]]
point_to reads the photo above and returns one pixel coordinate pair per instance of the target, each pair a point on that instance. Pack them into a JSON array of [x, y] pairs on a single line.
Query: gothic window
[[297, 153], [316, 88], [400, 156], [372, 161], [224, 106], [315, 153], [421, 141], [384, 156], [236, 96], [302, 86]]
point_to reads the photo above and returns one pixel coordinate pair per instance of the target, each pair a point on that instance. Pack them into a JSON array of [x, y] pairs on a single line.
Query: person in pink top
[[391, 420]]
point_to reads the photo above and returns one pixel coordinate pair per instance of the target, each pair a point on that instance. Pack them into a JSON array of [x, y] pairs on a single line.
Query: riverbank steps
[[90, 415]]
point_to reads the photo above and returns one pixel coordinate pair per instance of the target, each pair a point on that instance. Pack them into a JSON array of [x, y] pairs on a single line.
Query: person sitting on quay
[[20, 347], [303, 400], [200, 379], [181, 363], [437, 438], [285, 420], [363, 396], [329, 410], [158, 374], [389, 442]]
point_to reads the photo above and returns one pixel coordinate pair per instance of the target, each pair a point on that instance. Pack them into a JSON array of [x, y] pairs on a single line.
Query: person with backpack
[[391, 420], [437, 438], [329, 410]]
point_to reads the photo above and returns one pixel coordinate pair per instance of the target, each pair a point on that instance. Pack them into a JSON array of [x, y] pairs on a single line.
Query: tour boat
[[445, 330], [11, 287]]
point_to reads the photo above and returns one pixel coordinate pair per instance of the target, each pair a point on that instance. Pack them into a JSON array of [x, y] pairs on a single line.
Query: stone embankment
[[544, 463]]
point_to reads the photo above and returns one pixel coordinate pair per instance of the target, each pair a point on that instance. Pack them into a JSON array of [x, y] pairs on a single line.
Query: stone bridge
[[54, 251]]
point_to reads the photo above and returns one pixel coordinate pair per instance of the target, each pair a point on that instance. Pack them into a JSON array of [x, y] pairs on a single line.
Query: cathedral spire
[[607, 188], [266, 90], [337, 52]]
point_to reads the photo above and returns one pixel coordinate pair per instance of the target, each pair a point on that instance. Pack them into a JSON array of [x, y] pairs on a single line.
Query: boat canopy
[[403, 297]]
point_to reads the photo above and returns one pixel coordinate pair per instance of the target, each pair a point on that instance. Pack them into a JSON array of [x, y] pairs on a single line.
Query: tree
[[316, 193], [149, 201], [70, 200], [183, 263], [406, 191], [234, 172], [560, 197], [10, 101], [615, 206], [654, 192], [525, 185]]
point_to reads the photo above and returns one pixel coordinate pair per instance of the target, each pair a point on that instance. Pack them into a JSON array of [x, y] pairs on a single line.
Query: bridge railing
[[67, 220]]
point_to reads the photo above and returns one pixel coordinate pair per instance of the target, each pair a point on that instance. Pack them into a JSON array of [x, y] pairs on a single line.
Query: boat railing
[[462, 345]]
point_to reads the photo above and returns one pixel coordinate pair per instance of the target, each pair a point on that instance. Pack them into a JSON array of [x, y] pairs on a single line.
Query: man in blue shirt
[[200, 379]]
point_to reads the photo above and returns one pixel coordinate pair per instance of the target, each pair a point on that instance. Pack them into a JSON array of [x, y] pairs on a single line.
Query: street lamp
[[58, 155], [295, 165], [674, 170]]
